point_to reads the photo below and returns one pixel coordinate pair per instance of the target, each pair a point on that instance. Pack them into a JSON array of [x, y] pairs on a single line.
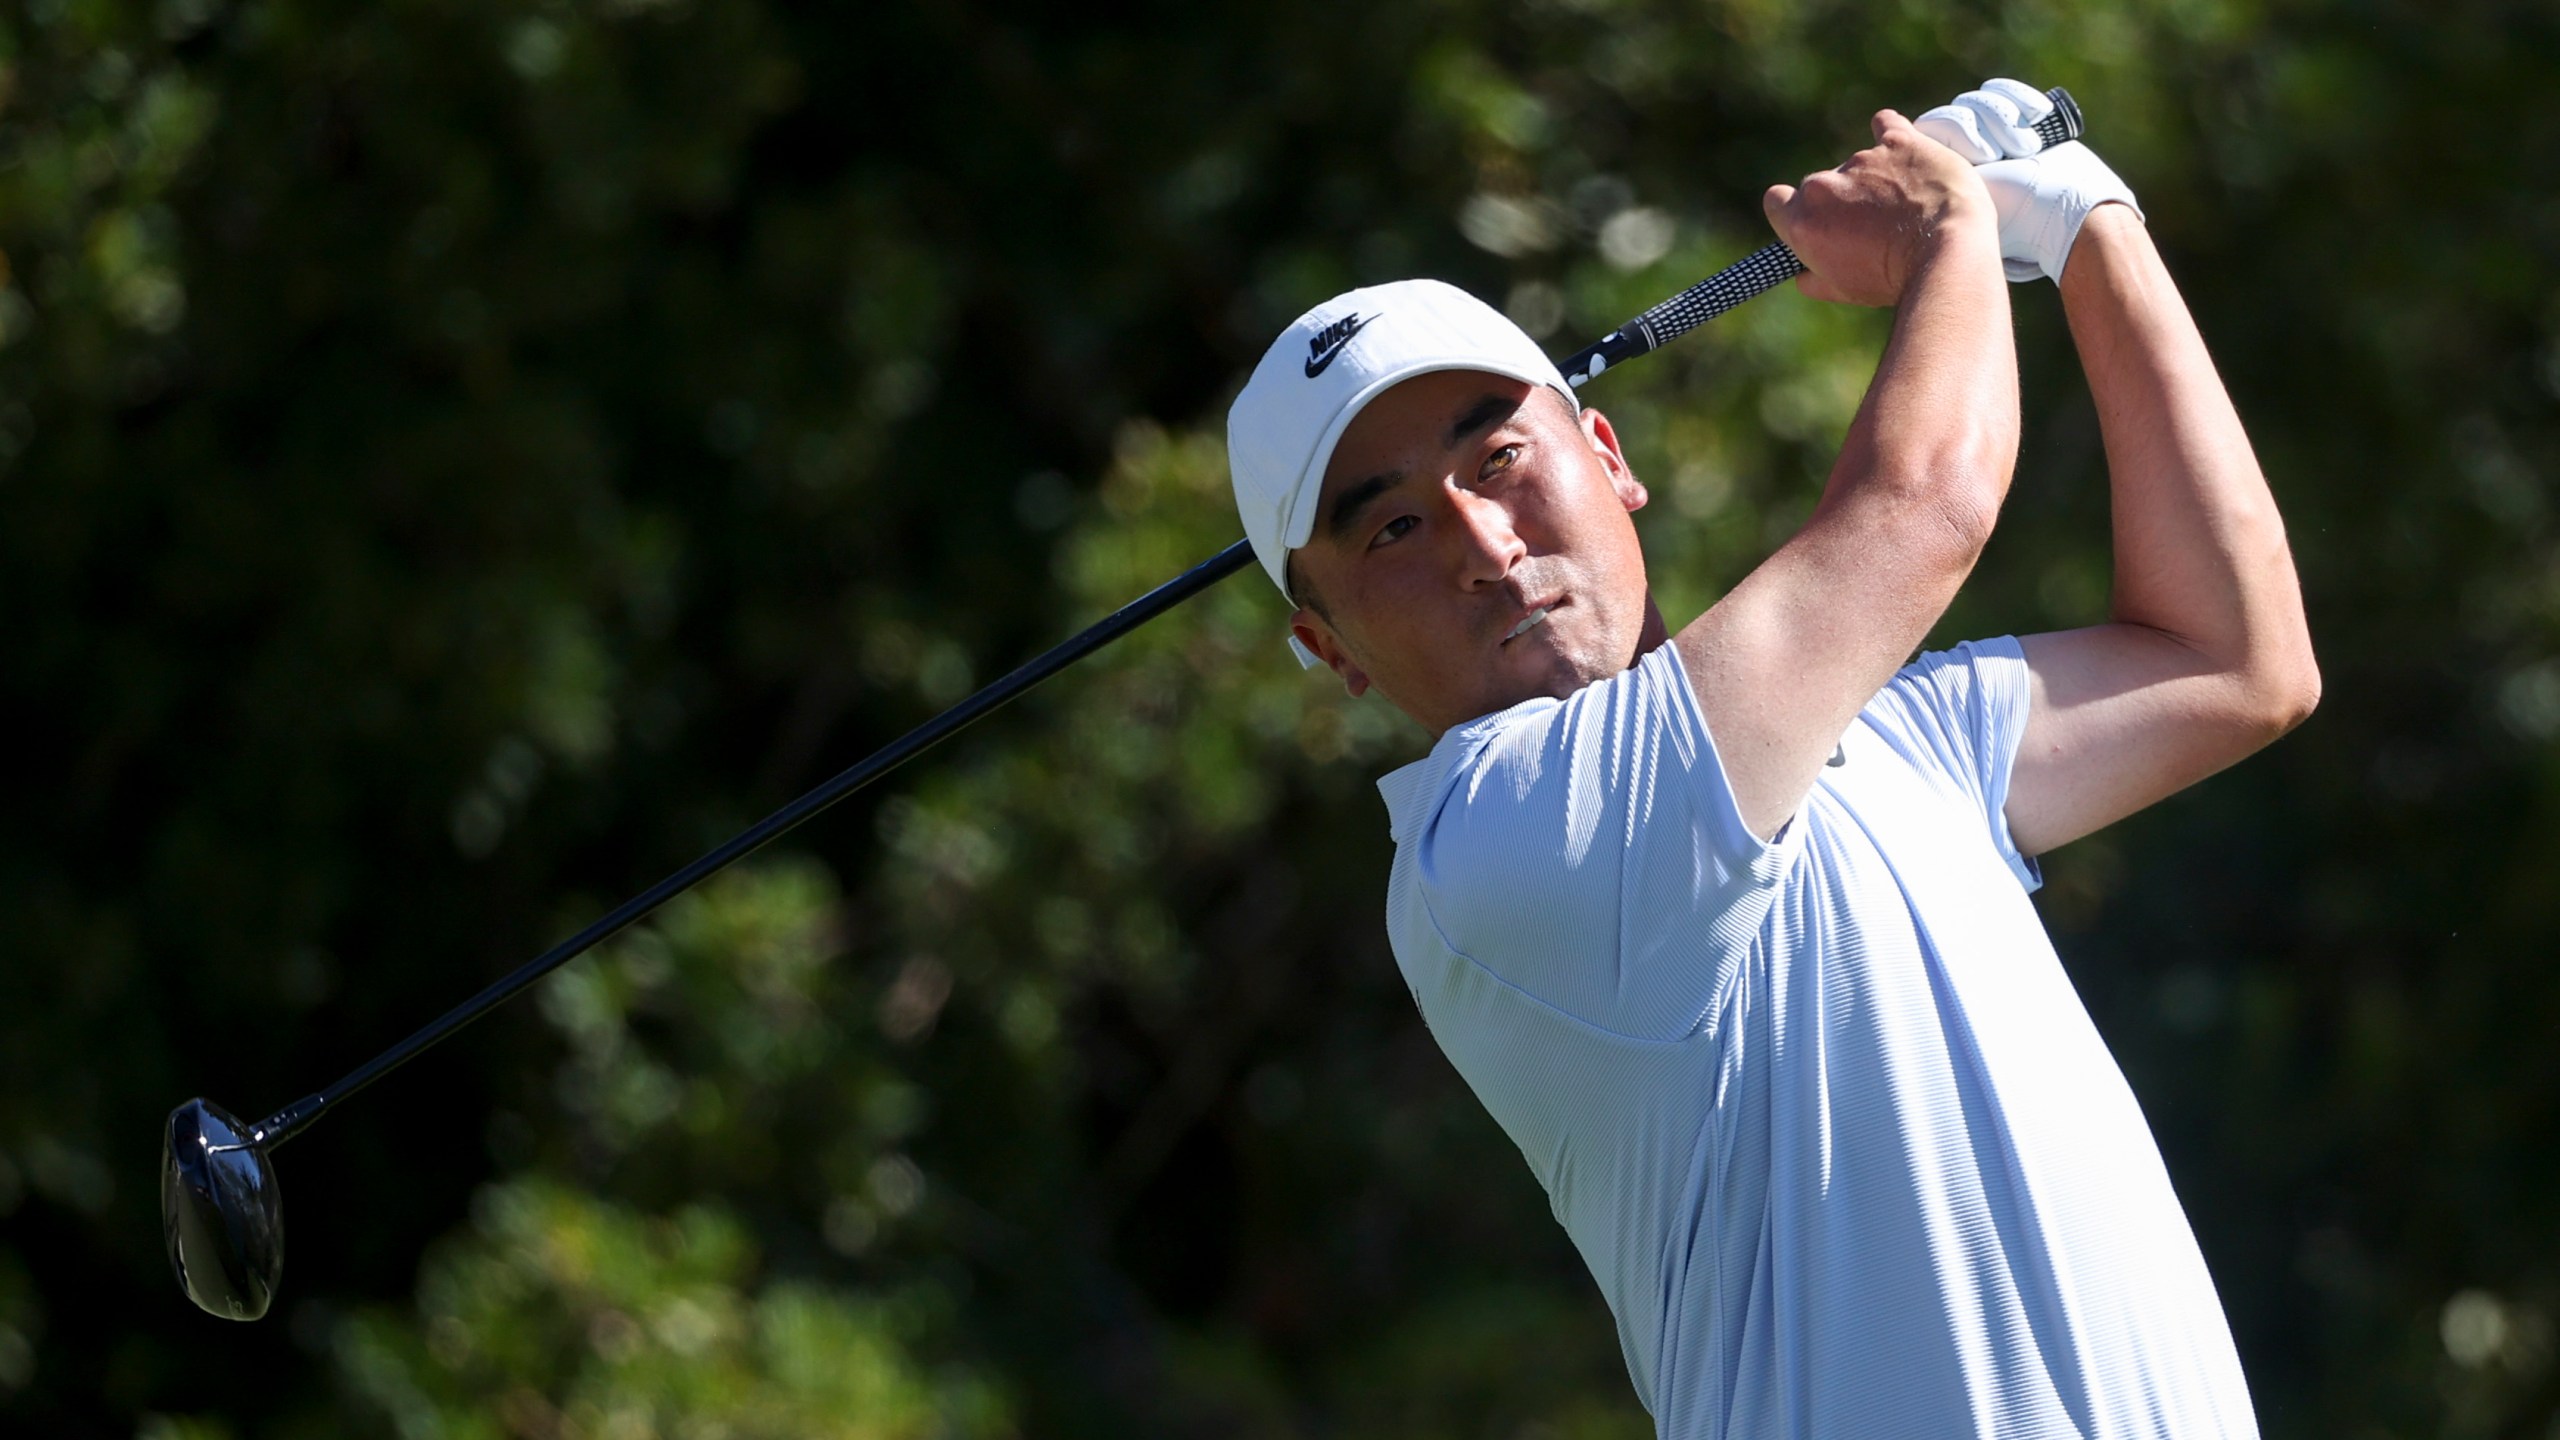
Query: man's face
[[1458, 508]]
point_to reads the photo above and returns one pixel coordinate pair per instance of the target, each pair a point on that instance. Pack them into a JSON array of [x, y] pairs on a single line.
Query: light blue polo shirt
[[1823, 1115]]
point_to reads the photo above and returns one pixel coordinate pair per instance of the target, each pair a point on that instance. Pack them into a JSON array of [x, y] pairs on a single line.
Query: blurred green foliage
[[459, 460]]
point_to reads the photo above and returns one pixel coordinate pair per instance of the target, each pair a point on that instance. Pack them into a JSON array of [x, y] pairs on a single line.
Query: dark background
[[458, 460]]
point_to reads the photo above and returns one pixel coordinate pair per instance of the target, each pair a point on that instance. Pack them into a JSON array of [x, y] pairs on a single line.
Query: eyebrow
[[1345, 515], [1476, 419], [1481, 414]]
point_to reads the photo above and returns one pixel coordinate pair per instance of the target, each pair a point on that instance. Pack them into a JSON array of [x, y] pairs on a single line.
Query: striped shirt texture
[[1823, 1114]]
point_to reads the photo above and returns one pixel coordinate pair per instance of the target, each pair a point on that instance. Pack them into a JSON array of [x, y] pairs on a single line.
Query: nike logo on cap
[[1330, 340]]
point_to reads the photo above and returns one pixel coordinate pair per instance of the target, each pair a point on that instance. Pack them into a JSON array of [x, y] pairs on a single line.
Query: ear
[[1316, 633], [1604, 443]]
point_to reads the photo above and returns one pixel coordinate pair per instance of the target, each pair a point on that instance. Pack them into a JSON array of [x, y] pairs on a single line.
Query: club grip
[[2063, 125], [1757, 273]]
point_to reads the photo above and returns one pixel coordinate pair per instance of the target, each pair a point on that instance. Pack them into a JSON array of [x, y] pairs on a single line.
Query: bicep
[[2119, 716]]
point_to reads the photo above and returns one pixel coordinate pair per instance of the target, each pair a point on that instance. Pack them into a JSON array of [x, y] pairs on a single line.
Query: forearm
[[2200, 553], [1787, 658], [1939, 424]]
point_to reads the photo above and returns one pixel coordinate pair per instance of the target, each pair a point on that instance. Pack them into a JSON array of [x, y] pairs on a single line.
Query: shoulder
[[1539, 779], [1555, 843]]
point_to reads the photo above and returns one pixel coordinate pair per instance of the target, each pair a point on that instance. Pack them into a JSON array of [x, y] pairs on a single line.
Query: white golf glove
[[2042, 196]]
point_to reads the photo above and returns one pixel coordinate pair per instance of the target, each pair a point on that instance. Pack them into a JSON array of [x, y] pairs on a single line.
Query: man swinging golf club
[[1727, 924]]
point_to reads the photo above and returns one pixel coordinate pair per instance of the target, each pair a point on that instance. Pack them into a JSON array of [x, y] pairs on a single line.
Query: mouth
[[1531, 621]]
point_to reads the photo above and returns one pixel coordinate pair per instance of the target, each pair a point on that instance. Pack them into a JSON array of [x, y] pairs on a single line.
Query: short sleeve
[[1958, 715], [1588, 852]]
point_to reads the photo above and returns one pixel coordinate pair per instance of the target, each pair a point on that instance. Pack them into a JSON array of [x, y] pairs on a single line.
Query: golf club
[[221, 1215]]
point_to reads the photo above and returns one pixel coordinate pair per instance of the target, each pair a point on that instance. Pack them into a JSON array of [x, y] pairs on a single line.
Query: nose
[[1488, 545]]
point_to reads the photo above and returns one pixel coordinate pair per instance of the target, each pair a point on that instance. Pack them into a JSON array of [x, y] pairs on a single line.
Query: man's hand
[[2043, 194], [1864, 229]]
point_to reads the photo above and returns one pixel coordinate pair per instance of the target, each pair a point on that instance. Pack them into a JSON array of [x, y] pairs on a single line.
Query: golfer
[[1727, 924]]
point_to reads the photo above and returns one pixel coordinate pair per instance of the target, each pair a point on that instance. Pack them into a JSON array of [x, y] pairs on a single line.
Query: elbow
[[2283, 695], [1967, 507], [1942, 491], [2304, 695], [1951, 507], [1967, 484]]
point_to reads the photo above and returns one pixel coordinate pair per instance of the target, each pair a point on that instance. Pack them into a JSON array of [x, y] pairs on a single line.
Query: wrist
[[2114, 222], [1967, 207], [2112, 232], [1964, 234]]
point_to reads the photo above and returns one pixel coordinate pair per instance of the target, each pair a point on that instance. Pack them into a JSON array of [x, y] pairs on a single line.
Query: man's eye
[[1394, 529], [1500, 460]]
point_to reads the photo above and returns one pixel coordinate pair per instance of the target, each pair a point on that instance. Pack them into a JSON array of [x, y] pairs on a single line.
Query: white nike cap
[[1329, 364]]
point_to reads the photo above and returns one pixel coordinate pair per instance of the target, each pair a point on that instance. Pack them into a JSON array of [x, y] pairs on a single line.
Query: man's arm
[[1784, 662], [2207, 656]]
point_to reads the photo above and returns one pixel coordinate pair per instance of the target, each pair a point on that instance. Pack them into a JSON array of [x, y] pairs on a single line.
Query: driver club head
[[220, 1212]]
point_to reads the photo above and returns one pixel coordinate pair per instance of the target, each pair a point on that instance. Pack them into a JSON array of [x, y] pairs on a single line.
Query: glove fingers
[[1959, 129], [1998, 118], [2033, 104], [2041, 195]]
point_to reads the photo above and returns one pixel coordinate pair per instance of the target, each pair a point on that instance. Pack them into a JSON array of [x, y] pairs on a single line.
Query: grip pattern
[[1757, 273], [2063, 123]]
